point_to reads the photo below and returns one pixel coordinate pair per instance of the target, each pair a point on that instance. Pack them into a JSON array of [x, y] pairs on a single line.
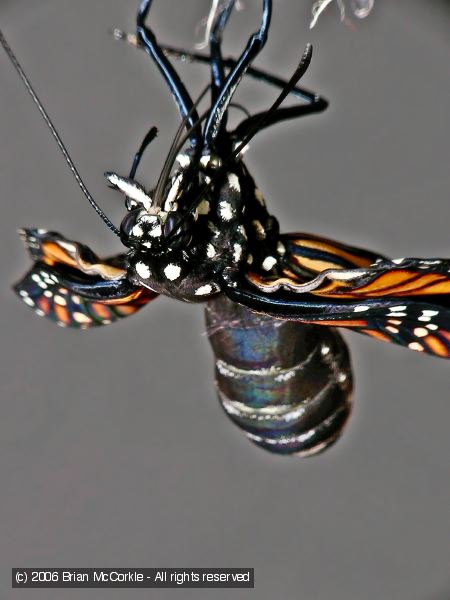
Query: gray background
[[113, 449]]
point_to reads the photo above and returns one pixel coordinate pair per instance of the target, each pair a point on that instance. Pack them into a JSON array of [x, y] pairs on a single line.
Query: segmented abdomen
[[287, 385]]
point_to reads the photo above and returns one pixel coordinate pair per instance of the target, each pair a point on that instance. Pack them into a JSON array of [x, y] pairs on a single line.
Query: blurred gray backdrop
[[113, 448]]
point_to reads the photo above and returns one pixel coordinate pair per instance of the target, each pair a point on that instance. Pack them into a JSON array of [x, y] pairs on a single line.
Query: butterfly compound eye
[[178, 227], [129, 228]]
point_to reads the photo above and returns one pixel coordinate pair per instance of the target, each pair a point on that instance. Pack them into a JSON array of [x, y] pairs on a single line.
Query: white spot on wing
[[81, 318], [427, 314], [415, 346], [392, 329], [268, 263], [60, 300], [420, 332]]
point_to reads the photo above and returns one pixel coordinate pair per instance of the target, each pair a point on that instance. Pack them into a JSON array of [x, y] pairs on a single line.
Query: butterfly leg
[[217, 70], [218, 75], [215, 44], [315, 103], [149, 137], [254, 46], [146, 37]]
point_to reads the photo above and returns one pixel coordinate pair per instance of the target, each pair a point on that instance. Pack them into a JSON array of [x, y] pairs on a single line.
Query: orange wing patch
[[318, 266], [54, 249], [71, 286]]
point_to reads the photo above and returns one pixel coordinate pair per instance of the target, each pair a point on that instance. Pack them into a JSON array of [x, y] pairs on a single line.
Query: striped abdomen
[[287, 385]]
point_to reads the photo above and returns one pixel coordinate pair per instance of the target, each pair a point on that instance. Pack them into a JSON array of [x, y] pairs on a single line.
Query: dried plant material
[[360, 9], [216, 7]]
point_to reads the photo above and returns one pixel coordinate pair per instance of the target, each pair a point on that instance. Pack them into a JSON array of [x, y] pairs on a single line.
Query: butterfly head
[[153, 225]]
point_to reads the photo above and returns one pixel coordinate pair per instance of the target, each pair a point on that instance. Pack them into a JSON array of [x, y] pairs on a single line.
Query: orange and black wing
[[332, 270], [71, 286], [405, 301], [306, 257]]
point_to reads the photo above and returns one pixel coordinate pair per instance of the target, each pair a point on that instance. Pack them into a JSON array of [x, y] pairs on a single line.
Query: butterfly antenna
[[55, 134]]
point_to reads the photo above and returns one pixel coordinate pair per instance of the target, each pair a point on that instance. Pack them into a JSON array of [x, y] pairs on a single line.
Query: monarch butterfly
[[204, 234]]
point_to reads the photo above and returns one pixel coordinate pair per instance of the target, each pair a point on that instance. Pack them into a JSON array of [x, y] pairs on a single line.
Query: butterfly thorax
[[227, 228]]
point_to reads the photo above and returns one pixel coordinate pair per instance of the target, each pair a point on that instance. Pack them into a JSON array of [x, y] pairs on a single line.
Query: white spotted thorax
[[207, 222]]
